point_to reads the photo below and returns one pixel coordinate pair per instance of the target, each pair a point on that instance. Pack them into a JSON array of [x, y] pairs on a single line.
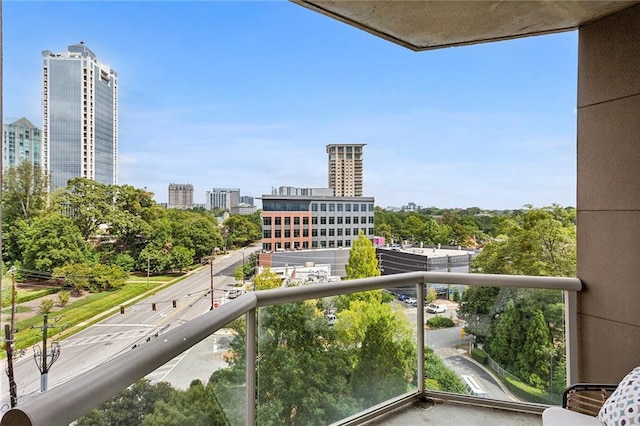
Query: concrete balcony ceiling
[[425, 25]]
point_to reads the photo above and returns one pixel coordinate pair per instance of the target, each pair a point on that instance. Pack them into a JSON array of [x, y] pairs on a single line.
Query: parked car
[[402, 297], [232, 294], [432, 308], [331, 319], [411, 301]]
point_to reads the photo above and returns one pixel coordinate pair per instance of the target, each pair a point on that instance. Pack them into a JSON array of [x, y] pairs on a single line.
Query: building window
[[323, 232], [266, 221], [347, 231], [296, 233], [363, 219], [323, 207], [339, 232], [287, 221], [323, 220], [347, 220], [339, 220], [266, 246], [355, 219], [332, 220], [287, 246], [355, 231], [363, 230], [314, 232], [287, 233], [266, 233], [347, 207], [371, 219], [278, 233], [355, 207], [314, 220], [305, 232], [323, 244], [363, 207], [314, 207], [339, 243], [305, 220], [347, 243], [305, 244], [314, 244], [339, 207], [371, 207], [332, 243], [332, 207], [332, 232], [371, 231], [278, 221], [296, 221]]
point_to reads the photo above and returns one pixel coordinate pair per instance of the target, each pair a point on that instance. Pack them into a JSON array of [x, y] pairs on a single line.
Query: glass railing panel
[[323, 360], [498, 343], [204, 385]]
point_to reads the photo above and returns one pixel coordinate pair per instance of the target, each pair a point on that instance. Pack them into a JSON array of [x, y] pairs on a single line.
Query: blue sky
[[248, 94]]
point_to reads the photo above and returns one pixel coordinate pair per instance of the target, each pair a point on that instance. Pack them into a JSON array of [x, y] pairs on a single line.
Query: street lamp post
[[242, 267]]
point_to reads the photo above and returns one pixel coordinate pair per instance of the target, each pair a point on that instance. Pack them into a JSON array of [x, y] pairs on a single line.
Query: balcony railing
[[71, 400]]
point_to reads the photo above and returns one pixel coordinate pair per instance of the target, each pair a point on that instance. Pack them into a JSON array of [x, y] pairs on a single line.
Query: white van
[[473, 387]]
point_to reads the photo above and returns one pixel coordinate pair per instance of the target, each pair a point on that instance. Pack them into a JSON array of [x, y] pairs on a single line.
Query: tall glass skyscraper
[[80, 117], [20, 142]]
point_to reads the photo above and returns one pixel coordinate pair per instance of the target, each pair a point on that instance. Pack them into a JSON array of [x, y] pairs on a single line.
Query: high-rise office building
[[180, 196], [80, 117], [345, 169], [223, 198], [20, 142]]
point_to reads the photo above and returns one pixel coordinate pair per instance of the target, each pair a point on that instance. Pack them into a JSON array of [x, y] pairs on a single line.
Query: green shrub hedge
[[479, 355], [440, 322]]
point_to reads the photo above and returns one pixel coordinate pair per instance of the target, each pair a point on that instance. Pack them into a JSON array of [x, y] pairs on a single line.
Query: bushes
[[440, 322], [479, 355]]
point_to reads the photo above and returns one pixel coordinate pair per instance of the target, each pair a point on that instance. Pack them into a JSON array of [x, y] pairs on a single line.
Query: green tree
[[181, 257], [534, 358], [267, 280], [25, 190], [152, 258], [52, 241], [302, 373], [86, 201], [362, 259], [242, 230], [45, 306], [130, 406], [438, 376]]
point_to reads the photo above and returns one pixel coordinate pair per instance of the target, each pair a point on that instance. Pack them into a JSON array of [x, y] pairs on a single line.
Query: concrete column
[[608, 197]]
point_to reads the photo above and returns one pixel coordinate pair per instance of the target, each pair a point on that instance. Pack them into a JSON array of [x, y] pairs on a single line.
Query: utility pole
[[9, 341], [148, 267], [41, 357], [211, 289]]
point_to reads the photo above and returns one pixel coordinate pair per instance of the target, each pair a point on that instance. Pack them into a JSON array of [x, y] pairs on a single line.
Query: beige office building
[[345, 169]]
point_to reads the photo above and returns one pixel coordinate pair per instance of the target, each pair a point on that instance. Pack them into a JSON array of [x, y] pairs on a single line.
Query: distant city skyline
[[248, 94]]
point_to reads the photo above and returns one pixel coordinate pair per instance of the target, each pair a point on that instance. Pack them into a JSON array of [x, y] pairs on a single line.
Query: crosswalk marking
[[129, 334]]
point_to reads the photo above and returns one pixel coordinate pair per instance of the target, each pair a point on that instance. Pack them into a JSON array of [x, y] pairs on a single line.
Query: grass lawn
[[84, 312]]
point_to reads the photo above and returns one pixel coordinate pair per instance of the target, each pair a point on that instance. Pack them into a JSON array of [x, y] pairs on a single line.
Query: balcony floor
[[449, 413]]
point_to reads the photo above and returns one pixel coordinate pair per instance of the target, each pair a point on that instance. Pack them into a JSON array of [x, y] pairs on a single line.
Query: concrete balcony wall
[[608, 196]]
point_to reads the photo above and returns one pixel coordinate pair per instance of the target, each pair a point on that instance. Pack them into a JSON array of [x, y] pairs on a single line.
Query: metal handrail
[[71, 400]]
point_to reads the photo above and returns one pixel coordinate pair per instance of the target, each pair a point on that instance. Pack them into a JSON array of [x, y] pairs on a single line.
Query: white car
[[411, 301], [432, 308]]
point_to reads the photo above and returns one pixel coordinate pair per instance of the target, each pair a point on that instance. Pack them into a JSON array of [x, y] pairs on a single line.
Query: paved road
[[118, 333], [444, 342]]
